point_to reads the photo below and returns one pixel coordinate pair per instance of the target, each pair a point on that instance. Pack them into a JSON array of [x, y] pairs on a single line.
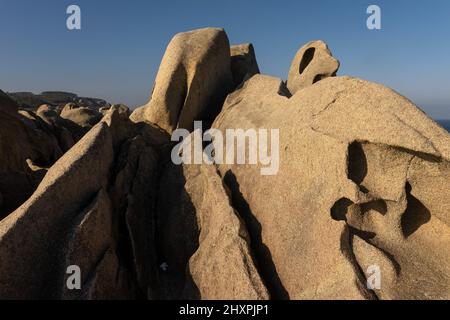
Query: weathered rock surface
[[243, 62], [223, 266], [82, 116], [89, 241], [134, 197], [7, 104], [111, 281], [192, 82], [312, 63], [205, 244], [365, 160], [123, 109], [42, 138], [76, 194], [362, 182], [28, 100], [30, 269], [30, 143], [66, 132], [17, 180]]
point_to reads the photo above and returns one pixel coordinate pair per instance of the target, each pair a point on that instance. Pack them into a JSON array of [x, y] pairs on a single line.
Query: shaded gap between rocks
[[261, 253], [123, 248], [346, 243], [176, 283], [318, 77]]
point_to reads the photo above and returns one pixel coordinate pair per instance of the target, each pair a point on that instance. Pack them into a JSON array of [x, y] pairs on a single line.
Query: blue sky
[[117, 53]]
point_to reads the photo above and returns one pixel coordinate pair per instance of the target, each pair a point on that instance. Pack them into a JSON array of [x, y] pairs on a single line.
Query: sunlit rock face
[[363, 181], [357, 208], [193, 80]]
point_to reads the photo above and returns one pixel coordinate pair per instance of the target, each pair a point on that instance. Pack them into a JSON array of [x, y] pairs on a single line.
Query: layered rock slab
[[338, 197], [204, 244]]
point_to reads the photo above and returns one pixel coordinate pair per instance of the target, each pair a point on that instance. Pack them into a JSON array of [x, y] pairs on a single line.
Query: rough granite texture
[[363, 180]]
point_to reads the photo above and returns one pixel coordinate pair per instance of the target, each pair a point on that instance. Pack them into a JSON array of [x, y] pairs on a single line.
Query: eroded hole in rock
[[416, 214], [357, 163], [284, 91], [306, 59], [340, 209], [318, 77]]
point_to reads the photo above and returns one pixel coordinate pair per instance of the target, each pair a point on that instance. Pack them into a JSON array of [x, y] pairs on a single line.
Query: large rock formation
[[31, 142], [193, 80], [30, 268], [65, 131], [202, 239], [17, 150], [224, 252], [363, 180], [362, 183], [95, 203]]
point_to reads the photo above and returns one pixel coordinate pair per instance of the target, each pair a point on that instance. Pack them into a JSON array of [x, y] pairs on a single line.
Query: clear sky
[[117, 53]]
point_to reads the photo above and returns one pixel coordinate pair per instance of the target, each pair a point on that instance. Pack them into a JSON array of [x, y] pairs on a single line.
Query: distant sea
[[445, 124]]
